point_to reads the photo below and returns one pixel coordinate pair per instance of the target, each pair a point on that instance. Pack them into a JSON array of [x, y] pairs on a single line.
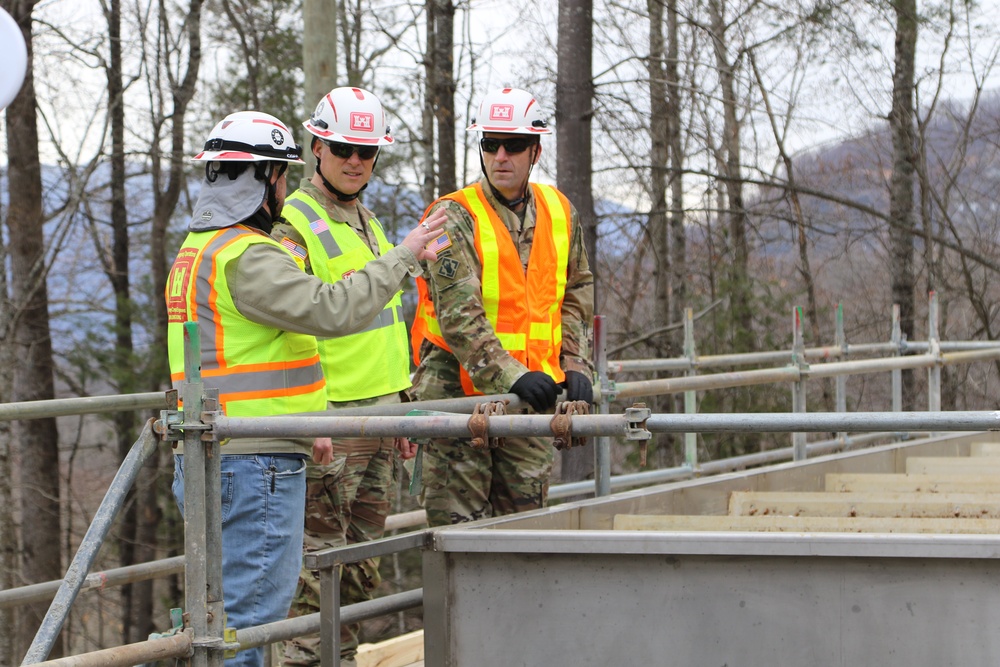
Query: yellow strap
[[513, 342], [491, 256], [560, 237], [541, 331]]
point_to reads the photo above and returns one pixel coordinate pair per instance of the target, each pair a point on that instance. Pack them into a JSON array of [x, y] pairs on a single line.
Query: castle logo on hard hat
[[277, 137], [362, 121], [502, 112]]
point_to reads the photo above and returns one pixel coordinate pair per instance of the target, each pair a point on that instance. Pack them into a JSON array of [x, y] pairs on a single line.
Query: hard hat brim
[[329, 135]]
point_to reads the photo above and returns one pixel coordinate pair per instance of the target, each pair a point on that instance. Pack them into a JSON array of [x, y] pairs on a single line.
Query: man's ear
[[538, 153]]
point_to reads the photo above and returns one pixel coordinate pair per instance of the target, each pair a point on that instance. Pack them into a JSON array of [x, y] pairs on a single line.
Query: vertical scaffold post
[[602, 448], [897, 374], [840, 382], [690, 396], [202, 515], [799, 387], [329, 616], [934, 343]]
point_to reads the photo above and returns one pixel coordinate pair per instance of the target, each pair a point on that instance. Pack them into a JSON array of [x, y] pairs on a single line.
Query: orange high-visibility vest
[[524, 308]]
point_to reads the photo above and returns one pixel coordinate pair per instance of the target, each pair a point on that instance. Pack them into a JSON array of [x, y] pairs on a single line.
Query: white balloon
[[14, 57]]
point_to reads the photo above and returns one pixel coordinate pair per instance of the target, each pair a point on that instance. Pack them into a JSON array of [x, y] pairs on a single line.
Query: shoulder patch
[[293, 247], [439, 243], [448, 267]]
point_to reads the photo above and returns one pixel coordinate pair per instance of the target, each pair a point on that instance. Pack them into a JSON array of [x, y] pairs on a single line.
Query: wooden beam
[[985, 449], [847, 482], [399, 651], [952, 465], [803, 524], [877, 504]]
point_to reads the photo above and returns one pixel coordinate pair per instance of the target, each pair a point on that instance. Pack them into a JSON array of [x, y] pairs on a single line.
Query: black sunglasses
[[345, 151], [512, 145]]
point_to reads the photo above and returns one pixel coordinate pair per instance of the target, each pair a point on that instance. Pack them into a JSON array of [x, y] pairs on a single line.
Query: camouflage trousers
[[347, 502], [464, 484]]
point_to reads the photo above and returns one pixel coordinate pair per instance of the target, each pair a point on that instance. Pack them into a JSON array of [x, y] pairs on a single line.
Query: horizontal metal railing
[[449, 418]]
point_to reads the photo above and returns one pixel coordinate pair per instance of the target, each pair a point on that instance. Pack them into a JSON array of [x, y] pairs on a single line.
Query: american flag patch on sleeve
[[440, 243], [293, 247]]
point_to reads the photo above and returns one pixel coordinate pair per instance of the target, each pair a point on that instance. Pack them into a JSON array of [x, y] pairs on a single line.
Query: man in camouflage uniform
[[349, 489], [454, 336]]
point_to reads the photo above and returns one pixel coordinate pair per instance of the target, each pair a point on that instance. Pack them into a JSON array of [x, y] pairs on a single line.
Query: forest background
[[739, 158]]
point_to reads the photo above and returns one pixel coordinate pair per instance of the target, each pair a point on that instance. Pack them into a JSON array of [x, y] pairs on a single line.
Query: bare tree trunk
[[657, 224], [319, 61], [8, 527], [167, 190], [444, 92], [428, 188], [32, 345], [659, 230], [902, 228], [739, 275], [678, 235], [118, 275], [574, 112]]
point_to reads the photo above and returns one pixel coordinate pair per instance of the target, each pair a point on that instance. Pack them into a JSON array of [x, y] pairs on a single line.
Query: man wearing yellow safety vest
[[506, 307], [349, 489], [258, 314]]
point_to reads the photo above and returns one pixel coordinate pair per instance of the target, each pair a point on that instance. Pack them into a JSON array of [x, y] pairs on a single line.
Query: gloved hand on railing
[[536, 389], [578, 387]]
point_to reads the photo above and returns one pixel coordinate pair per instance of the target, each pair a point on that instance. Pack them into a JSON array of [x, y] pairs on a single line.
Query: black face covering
[[260, 220]]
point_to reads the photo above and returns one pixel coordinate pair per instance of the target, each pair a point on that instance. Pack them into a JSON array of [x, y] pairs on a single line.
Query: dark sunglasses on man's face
[[345, 151], [512, 145]]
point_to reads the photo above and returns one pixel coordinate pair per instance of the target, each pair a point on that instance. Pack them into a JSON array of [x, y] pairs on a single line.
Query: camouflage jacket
[[455, 287]]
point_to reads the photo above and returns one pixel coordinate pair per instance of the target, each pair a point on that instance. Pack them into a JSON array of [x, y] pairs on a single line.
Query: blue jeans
[[263, 512]]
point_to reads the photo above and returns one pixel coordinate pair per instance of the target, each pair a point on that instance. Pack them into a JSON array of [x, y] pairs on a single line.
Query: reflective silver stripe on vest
[[387, 317], [203, 287], [325, 237], [237, 382]]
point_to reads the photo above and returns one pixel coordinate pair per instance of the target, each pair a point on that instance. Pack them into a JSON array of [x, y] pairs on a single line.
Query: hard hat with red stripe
[[511, 111], [350, 116], [250, 136]]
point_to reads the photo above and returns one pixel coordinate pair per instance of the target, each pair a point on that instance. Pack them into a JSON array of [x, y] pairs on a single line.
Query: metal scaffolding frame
[[202, 427]]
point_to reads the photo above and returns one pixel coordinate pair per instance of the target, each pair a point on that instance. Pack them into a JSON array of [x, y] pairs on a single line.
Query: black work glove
[[578, 387], [536, 389]]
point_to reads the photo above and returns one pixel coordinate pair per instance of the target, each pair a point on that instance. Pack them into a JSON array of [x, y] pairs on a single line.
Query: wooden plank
[[399, 651], [803, 524], [848, 482], [866, 504], [985, 449], [952, 465]]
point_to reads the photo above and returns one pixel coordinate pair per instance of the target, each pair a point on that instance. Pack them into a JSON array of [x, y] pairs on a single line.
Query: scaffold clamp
[[562, 425], [479, 424], [635, 422]]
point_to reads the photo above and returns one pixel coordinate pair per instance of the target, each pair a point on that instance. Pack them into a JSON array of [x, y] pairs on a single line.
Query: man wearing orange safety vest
[[505, 308], [258, 314]]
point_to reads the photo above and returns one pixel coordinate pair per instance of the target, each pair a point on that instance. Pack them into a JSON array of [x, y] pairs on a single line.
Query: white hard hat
[[14, 56], [509, 110], [250, 136], [350, 116]]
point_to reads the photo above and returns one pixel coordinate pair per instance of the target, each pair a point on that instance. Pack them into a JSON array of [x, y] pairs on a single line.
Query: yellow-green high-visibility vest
[[374, 361], [259, 370]]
